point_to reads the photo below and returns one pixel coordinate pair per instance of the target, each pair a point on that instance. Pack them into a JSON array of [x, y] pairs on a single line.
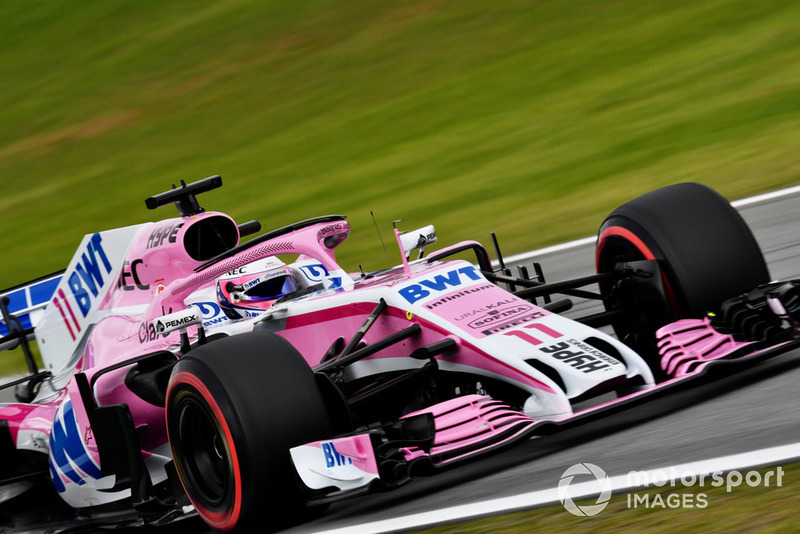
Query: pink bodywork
[[312, 333], [685, 342], [468, 425]]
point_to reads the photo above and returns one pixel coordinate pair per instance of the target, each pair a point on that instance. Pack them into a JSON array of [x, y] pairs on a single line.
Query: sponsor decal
[[211, 312], [334, 283], [147, 332], [594, 352], [431, 236], [315, 272], [457, 295], [587, 361], [328, 229], [332, 235], [518, 320], [496, 316], [441, 282], [257, 281], [175, 321], [168, 232], [246, 312], [57, 301], [162, 325], [264, 264], [85, 282], [68, 454], [485, 308], [129, 279], [332, 457], [425, 239]]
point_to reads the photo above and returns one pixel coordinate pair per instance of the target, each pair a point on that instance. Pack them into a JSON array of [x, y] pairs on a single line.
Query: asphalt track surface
[[752, 411]]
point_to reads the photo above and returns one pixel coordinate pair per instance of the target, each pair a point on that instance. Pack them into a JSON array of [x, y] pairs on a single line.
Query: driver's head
[[249, 290]]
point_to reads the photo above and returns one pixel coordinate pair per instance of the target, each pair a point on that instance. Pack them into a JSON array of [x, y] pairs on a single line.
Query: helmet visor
[[258, 287], [271, 289]]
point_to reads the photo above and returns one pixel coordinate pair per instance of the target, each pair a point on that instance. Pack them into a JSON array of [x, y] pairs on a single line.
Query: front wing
[[442, 434], [701, 360]]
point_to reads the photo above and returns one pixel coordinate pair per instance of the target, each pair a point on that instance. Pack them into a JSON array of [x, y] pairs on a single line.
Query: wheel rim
[[204, 457], [616, 245]]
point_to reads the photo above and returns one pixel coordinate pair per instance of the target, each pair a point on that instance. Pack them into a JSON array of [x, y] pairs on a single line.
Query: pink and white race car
[[187, 372]]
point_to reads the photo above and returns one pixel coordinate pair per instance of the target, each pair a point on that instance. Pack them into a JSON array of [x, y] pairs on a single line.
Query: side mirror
[[418, 240]]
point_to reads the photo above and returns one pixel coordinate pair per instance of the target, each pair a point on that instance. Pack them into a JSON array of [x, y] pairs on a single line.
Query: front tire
[[705, 251], [234, 409]]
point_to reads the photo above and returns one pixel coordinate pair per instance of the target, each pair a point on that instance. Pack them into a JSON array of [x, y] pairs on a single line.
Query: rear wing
[[26, 302], [21, 309], [61, 307]]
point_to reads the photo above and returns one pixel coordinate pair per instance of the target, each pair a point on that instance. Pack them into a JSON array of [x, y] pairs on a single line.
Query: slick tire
[[234, 409], [705, 251]]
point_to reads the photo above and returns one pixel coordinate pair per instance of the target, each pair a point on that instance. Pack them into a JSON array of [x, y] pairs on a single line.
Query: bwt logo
[[88, 275], [68, 454], [332, 457], [439, 283]]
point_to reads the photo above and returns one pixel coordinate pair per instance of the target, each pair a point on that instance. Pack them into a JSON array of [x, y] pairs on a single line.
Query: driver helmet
[[249, 290]]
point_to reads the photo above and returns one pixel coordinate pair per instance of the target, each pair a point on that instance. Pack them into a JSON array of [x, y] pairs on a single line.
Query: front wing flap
[[442, 434]]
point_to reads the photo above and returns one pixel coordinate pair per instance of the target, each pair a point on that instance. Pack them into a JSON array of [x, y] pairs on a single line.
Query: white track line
[[724, 464], [766, 196], [590, 240]]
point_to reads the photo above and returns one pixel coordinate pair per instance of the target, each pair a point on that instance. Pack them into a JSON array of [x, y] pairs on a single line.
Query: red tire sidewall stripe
[[634, 240], [627, 235], [228, 519]]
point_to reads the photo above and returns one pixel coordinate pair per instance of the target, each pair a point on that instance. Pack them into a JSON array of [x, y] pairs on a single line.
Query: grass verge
[[707, 509]]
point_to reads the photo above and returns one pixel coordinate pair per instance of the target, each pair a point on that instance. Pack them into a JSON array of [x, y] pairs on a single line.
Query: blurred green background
[[532, 119]]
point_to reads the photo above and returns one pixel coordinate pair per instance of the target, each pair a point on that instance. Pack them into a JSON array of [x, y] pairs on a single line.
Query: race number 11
[[529, 338]]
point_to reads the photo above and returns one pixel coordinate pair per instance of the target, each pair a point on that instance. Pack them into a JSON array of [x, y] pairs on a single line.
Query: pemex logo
[[598, 483]]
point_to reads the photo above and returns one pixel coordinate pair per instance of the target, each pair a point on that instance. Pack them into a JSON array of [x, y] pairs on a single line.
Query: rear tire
[[234, 409], [705, 251]]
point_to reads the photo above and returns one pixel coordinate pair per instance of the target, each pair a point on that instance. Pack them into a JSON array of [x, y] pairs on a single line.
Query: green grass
[[743, 509], [532, 119], [13, 363]]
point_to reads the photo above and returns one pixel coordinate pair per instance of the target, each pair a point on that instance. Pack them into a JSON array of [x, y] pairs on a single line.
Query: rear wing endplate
[[26, 303]]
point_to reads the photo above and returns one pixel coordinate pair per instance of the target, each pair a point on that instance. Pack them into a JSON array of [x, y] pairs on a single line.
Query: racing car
[[188, 371]]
